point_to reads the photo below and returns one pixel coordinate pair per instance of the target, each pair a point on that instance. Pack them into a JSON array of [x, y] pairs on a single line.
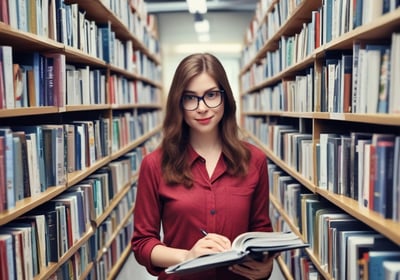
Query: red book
[[3, 258], [317, 29], [347, 64], [372, 175], [4, 11]]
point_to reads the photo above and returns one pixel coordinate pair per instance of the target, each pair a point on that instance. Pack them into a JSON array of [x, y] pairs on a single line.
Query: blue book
[[376, 270], [327, 26], [9, 163], [357, 15], [106, 36], [383, 191]]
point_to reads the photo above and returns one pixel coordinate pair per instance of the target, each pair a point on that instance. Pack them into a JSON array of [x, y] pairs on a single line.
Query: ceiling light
[[199, 6]]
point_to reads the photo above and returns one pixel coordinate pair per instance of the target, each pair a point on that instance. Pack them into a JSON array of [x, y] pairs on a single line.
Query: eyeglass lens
[[211, 99]]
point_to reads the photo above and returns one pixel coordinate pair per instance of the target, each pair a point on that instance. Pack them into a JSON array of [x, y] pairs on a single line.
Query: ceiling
[[166, 6]]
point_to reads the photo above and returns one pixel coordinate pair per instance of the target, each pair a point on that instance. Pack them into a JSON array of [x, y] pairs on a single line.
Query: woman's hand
[[211, 243], [254, 269]]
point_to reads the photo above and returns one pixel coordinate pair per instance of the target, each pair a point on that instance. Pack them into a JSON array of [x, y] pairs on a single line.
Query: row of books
[[44, 235], [33, 158], [128, 126], [85, 86], [134, 15], [37, 79], [329, 21], [295, 148], [269, 18], [125, 91], [364, 166], [44, 79], [359, 81], [338, 240], [297, 261], [345, 247], [48, 232], [145, 67], [79, 265], [67, 23], [290, 95]]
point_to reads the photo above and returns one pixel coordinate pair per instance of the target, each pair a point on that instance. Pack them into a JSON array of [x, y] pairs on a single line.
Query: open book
[[250, 244]]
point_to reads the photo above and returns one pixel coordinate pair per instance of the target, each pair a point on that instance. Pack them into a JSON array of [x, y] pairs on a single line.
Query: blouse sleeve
[[147, 214]]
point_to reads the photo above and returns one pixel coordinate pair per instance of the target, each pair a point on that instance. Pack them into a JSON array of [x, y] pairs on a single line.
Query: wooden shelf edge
[[118, 266], [386, 227], [52, 268]]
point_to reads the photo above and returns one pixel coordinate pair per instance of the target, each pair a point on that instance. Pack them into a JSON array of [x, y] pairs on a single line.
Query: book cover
[[6, 257], [18, 257], [3, 188], [376, 259], [347, 67], [384, 83], [333, 163], [52, 231], [396, 180], [374, 58], [9, 164], [18, 170], [8, 76], [382, 188], [27, 242], [354, 161], [40, 223], [24, 166], [249, 244], [33, 164], [356, 243], [4, 11], [391, 269]]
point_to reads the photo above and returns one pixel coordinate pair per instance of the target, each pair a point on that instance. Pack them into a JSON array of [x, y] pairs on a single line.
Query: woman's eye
[[210, 94], [189, 97]]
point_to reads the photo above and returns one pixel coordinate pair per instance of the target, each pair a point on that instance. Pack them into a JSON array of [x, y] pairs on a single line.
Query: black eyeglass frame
[[220, 91]]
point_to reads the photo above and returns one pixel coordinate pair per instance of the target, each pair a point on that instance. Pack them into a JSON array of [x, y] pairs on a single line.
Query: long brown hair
[[176, 132]]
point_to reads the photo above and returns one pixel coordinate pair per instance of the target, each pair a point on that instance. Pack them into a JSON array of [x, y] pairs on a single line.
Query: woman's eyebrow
[[186, 91]]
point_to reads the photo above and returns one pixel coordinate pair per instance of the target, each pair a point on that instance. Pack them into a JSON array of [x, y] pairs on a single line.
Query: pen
[[203, 232]]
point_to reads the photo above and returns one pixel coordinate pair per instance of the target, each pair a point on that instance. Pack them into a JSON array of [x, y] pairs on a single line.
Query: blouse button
[[212, 211]]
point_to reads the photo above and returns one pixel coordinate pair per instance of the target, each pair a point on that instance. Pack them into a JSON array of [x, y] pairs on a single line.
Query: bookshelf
[[308, 119], [83, 83]]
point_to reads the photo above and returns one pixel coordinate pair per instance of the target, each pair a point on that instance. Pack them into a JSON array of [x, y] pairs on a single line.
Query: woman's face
[[203, 119]]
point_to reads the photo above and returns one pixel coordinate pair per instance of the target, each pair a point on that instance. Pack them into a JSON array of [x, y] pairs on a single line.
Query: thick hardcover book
[[383, 187], [9, 165], [249, 244]]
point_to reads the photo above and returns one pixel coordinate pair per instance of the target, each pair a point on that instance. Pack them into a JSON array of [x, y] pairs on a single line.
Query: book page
[[264, 239]]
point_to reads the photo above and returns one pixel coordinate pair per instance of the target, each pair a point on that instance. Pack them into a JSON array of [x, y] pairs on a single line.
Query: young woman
[[203, 177]]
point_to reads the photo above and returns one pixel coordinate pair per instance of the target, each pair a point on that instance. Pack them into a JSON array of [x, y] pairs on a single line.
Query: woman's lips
[[204, 121]]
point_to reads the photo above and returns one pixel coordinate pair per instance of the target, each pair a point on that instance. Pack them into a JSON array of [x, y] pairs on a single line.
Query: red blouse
[[222, 204]]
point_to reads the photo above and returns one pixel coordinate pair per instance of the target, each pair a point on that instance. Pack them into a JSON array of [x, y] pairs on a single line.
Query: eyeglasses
[[211, 99]]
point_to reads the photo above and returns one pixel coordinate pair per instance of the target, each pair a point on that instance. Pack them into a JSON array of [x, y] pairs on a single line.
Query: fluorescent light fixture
[[197, 6]]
